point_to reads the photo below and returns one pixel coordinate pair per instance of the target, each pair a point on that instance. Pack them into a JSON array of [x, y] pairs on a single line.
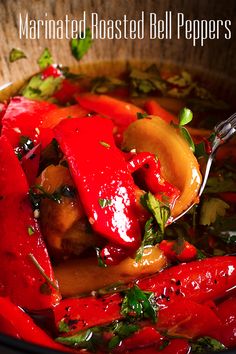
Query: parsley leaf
[[139, 304], [160, 211], [206, 344], [45, 59], [211, 209], [103, 84], [88, 339], [80, 46], [104, 202], [150, 238], [16, 54], [121, 330], [145, 82]]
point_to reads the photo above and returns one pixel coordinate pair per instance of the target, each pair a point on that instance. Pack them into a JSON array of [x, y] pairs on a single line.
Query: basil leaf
[[45, 59], [206, 344], [80, 46], [184, 132], [16, 54], [139, 304], [185, 116]]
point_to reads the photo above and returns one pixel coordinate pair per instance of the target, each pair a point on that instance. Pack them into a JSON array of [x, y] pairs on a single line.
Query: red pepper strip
[[122, 113], [154, 108], [185, 318], [227, 313], [54, 117], [15, 322], [149, 171], [176, 346], [30, 164], [51, 70], [20, 236], [24, 117], [187, 253], [3, 107], [198, 281], [101, 176], [67, 91], [145, 337]]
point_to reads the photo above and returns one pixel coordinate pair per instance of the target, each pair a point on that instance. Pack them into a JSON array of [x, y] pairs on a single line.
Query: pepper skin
[[16, 323], [105, 186], [19, 278], [24, 117]]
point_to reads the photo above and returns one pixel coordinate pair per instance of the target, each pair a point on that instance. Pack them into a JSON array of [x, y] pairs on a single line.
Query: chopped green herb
[[63, 327], [80, 45], [141, 115], [145, 82], [211, 209], [99, 258], [104, 202], [185, 116], [45, 59], [103, 84], [121, 330], [150, 238], [160, 211], [88, 339], [31, 230], [40, 89], [139, 304], [106, 145], [205, 345], [16, 54]]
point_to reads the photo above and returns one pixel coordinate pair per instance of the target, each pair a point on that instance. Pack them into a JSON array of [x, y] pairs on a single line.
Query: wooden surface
[[217, 55]]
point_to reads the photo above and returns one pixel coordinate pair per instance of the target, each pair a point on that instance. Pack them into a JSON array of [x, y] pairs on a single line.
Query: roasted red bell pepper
[[175, 346], [149, 174], [24, 117], [54, 117], [198, 281], [122, 113], [154, 108], [67, 91], [21, 240], [188, 319], [226, 311], [105, 186], [145, 337], [15, 322], [173, 252], [30, 164]]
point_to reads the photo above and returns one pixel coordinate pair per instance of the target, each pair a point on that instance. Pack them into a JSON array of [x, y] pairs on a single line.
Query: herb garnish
[[106, 145], [185, 116], [99, 258], [104, 202], [139, 304], [80, 45], [30, 230], [16, 54], [141, 115], [150, 238], [206, 344], [160, 211], [45, 59], [41, 89]]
